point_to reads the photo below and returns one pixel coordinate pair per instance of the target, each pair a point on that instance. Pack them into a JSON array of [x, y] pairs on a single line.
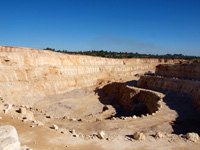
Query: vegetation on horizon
[[109, 54]]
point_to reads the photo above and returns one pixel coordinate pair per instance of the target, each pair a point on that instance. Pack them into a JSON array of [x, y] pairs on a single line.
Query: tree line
[[109, 54]]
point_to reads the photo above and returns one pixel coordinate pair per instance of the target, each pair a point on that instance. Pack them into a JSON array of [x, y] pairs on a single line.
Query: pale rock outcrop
[[9, 139], [191, 88], [194, 137], [128, 98], [27, 74], [139, 136], [185, 70]]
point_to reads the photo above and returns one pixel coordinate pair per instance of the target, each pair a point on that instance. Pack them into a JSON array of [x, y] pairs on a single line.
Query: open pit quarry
[[56, 101]]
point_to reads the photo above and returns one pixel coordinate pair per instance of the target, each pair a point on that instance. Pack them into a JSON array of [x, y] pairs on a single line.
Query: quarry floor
[[176, 117]]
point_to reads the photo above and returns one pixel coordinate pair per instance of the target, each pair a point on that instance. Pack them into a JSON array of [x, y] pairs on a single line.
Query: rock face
[[192, 88], [8, 138], [194, 137], [27, 74], [186, 70], [132, 100]]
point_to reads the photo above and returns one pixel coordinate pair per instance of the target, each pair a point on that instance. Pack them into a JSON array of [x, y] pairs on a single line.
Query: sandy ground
[[176, 117]]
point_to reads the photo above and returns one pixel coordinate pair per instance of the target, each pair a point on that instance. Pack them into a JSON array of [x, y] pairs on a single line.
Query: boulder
[[54, 127], [159, 135], [22, 110], [139, 136], [194, 137], [9, 139], [82, 120], [73, 131], [8, 106], [134, 117], [72, 119], [39, 123], [101, 135], [5, 111], [113, 118], [66, 117]]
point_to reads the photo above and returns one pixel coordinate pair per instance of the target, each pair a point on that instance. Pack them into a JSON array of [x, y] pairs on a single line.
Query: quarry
[[56, 101]]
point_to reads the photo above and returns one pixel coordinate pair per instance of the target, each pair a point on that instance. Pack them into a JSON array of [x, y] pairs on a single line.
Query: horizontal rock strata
[[132, 101], [186, 70], [191, 88], [27, 73]]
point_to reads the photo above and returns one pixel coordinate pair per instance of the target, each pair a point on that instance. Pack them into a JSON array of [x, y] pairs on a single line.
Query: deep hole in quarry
[[128, 101]]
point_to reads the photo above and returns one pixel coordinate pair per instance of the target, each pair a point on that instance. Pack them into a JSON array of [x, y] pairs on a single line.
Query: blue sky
[[143, 26]]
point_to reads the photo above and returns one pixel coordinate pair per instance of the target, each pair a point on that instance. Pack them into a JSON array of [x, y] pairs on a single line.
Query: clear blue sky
[[143, 26]]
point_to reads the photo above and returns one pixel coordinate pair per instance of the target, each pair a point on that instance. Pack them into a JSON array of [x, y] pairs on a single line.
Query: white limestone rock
[[134, 117], [194, 137], [159, 135], [9, 139], [101, 134], [8, 106], [54, 127], [139, 136]]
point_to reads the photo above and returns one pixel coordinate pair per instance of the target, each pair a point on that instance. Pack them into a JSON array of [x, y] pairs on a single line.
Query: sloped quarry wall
[[26, 73], [131, 100], [191, 88], [186, 70]]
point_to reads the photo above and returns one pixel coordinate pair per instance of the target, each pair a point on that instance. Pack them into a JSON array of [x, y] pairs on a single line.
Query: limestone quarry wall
[[187, 70], [191, 88], [27, 73], [130, 98]]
